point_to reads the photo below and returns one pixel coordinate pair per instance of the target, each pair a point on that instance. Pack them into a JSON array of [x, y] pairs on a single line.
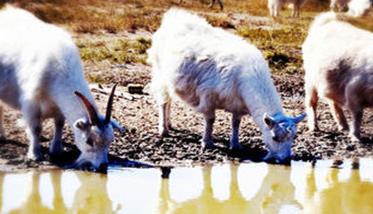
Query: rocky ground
[[138, 113], [113, 44]]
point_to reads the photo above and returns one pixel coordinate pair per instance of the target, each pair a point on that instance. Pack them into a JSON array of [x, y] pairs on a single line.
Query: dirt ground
[[138, 113]]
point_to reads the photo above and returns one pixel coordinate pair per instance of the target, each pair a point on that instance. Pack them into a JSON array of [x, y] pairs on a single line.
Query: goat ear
[[268, 121], [299, 118], [116, 126], [82, 124]]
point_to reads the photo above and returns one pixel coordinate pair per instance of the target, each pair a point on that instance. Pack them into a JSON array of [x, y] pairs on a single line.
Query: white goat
[[339, 67], [358, 8], [212, 69], [274, 7], [40, 69]]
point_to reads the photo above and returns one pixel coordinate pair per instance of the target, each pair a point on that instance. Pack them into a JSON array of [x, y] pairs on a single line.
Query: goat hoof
[[35, 156], [268, 158], [342, 128], [55, 151], [354, 138], [164, 133], [169, 127], [207, 145]]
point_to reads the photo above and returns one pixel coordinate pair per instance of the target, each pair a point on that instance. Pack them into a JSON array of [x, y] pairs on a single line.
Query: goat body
[[358, 8], [40, 69], [339, 67], [211, 69]]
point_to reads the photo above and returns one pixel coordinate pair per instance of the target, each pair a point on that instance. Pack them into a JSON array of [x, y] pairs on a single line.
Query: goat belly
[[188, 95]]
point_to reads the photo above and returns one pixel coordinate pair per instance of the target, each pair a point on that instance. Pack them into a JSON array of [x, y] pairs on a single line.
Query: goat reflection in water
[[276, 191], [33, 202], [351, 196], [91, 196]]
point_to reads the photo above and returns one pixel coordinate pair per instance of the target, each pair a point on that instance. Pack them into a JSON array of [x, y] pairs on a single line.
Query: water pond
[[227, 188]]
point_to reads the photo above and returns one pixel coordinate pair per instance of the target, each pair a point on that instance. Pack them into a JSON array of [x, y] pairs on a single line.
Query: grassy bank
[[106, 21]]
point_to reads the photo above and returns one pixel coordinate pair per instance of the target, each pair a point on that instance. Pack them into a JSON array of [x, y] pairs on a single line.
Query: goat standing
[[40, 69], [338, 67], [211, 69]]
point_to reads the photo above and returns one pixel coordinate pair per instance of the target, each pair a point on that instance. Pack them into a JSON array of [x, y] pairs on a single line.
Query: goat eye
[[90, 141]]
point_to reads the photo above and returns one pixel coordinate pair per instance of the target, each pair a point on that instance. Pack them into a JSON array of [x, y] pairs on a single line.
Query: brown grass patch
[[279, 39]]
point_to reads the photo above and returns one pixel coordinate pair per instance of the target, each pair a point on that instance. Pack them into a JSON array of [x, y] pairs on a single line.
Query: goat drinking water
[[211, 69], [40, 69]]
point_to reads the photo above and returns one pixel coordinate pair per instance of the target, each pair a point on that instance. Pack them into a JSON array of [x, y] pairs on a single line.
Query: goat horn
[[92, 113], [109, 106]]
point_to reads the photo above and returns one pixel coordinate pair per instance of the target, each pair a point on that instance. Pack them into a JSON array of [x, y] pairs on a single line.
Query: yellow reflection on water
[[350, 196], [245, 188]]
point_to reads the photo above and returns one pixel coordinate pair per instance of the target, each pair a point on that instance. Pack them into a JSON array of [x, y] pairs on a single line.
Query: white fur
[[274, 6], [210, 69], [358, 8], [40, 69], [339, 67]]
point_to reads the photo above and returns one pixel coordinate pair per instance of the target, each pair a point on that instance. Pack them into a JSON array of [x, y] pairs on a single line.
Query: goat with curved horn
[[46, 89], [105, 126]]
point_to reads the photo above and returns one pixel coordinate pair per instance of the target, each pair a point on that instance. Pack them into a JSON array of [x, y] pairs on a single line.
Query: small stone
[[133, 130], [355, 163], [350, 147], [135, 89], [337, 162]]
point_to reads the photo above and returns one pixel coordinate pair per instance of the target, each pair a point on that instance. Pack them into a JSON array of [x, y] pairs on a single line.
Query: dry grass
[[112, 16], [279, 39], [95, 16], [116, 50]]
